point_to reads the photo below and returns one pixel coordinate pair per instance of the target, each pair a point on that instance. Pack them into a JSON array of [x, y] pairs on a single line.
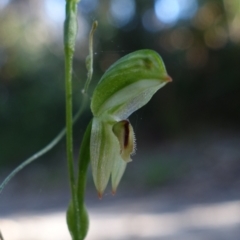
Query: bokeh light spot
[[4, 3], [170, 11], [167, 11], [188, 8], [181, 38], [206, 16], [216, 38], [55, 10], [122, 12]]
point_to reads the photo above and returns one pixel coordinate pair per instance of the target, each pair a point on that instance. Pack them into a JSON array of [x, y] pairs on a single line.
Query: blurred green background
[[199, 41]]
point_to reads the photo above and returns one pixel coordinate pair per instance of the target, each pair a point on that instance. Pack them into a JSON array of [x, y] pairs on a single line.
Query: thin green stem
[[70, 32], [44, 150], [69, 119], [79, 230]]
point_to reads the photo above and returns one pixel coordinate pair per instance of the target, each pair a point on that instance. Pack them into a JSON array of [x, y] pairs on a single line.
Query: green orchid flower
[[124, 88]]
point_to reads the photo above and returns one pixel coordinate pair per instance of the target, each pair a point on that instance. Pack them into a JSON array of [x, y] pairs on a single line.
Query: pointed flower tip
[[168, 78], [113, 192], [100, 194]]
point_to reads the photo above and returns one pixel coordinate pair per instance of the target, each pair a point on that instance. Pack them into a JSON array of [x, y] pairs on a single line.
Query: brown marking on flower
[[126, 133], [147, 63]]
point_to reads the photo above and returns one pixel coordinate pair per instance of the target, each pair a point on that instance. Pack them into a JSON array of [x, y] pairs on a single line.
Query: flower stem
[[70, 32]]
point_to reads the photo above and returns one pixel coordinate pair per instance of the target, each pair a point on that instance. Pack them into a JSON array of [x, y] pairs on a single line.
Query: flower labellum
[[124, 132], [124, 88]]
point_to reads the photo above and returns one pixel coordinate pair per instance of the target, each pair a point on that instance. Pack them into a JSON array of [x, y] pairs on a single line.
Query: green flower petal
[[119, 167], [104, 148], [129, 84]]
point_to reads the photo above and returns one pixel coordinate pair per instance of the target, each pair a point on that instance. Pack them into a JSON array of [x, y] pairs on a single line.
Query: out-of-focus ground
[[150, 217], [199, 198]]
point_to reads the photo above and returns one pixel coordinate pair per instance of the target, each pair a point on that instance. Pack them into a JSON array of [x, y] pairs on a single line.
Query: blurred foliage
[[201, 53]]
